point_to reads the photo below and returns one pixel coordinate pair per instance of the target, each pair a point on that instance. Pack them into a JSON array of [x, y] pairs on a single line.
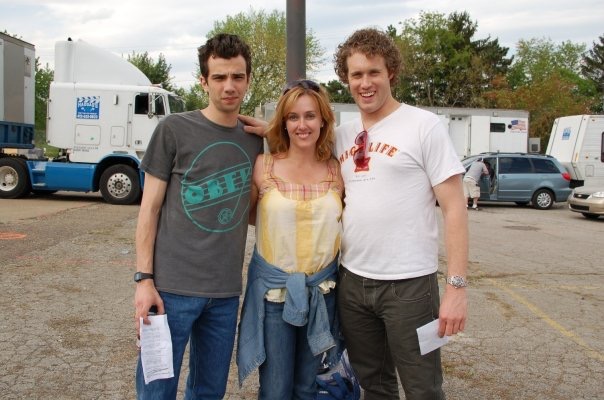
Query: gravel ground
[[67, 330]]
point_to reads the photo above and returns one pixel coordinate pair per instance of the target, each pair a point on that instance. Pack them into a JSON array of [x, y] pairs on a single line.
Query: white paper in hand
[[156, 348], [429, 339]]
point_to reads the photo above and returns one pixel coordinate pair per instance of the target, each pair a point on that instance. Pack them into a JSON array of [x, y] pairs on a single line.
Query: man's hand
[[145, 297], [453, 311], [253, 125]]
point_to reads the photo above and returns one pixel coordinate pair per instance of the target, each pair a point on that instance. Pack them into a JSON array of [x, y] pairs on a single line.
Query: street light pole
[[296, 40]]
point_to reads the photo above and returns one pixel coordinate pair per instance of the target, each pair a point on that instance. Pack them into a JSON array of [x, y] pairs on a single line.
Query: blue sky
[[177, 28]]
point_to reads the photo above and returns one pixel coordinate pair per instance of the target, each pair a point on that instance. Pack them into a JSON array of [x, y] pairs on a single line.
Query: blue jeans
[[210, 323], [290, 368]]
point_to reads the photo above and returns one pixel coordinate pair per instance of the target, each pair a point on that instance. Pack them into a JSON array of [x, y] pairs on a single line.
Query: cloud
[[176, 29]]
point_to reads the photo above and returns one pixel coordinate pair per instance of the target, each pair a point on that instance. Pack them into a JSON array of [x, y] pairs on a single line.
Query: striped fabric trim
[[296, 191]]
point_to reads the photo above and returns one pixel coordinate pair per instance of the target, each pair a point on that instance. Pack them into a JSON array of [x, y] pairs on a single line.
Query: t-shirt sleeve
[[440, 160], [161, 152]]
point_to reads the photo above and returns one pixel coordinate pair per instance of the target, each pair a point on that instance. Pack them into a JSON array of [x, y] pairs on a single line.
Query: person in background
[[397, 161], [192, 224], [471, 179], [289, 307]]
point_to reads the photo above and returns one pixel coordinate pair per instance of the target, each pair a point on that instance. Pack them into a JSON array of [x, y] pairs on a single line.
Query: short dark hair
[[370, 42], [226, 46]]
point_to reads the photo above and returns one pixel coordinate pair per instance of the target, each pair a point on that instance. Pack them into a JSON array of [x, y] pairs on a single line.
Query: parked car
[[587, 200], [523, 178]]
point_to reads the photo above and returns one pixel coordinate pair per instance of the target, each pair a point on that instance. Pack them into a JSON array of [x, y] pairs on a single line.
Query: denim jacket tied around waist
[[304, 304]]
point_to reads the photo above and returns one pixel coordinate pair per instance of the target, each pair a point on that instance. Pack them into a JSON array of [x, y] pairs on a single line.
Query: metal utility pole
[[295, 62]]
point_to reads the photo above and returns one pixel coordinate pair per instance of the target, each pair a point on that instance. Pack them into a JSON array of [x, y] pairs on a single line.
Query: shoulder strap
[[268, 164]]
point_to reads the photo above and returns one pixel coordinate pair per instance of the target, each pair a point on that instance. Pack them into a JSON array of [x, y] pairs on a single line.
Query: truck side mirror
[[151, 107]]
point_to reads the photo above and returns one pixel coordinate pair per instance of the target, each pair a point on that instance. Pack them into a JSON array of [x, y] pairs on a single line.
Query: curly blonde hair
[[276, 135], [370, 42]]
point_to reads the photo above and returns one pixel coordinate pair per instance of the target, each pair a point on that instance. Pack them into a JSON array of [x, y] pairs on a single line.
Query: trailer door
[[459, 130]]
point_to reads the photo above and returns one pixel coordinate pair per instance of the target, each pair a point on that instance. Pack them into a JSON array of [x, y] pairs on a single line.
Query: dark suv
[[523, 178]]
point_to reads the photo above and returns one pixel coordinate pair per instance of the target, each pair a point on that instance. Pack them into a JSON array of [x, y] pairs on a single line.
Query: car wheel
[[590, 216], [543, 199]]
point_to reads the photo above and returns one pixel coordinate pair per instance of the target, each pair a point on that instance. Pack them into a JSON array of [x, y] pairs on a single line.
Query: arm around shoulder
[[254, 125]]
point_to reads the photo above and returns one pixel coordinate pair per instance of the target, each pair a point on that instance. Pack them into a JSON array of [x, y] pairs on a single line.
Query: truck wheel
[[543, 199], [120, 185], [14, 178]]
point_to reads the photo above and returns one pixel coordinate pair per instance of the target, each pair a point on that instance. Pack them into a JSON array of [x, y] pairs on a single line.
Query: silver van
[[522, 178]]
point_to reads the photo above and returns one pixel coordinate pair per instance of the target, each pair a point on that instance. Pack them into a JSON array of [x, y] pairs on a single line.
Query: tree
[[195, 98], [42, 88], [592, 68], [157, 72], [338, 93], [266, 35], [544, 80], [536, 59], [443, 64]]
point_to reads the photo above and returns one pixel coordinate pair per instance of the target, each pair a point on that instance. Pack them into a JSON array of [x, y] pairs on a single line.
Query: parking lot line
[[548, 320]]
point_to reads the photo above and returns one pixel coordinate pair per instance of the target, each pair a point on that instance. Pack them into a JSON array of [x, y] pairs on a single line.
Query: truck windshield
[[176, 104]]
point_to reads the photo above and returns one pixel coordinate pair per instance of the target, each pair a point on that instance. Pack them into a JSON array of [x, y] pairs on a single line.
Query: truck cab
[[101, 114]]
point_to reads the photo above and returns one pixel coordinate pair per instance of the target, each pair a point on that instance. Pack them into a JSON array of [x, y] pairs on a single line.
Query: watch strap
[[139, 276]]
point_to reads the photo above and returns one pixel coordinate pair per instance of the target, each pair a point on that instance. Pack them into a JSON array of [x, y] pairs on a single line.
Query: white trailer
[[481, 130], [472, 130], [17, 82], [577, 141]]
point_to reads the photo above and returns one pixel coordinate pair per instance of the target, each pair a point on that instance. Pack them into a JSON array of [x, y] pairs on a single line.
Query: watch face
[[457, 281]]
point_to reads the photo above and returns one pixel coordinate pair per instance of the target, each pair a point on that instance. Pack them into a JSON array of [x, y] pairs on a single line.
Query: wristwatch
[[139, 276], [457, 281]]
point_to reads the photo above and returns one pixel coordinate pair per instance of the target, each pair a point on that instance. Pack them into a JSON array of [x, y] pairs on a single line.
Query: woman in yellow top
[[289, 306]]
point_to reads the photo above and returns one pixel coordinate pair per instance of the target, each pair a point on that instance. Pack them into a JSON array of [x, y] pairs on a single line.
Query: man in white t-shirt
[[397, 161]]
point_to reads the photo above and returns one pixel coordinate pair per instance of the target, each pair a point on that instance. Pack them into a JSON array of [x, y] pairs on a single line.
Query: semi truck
[[577, 141], [101, 113], [472, 130]]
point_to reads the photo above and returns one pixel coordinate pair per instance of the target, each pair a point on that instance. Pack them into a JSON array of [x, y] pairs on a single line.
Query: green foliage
[[157, 72], [44, 77], [338, 93], [42, 88], [593, 69], [545, 80], [545, 99], [536, 59], [195, 98], [266, 35], [443, 64]]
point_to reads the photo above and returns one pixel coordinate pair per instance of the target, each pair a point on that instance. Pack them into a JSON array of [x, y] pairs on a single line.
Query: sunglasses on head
[[303, 83]]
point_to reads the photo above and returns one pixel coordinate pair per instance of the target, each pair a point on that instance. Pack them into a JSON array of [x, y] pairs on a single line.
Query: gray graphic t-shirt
[[200, 243]]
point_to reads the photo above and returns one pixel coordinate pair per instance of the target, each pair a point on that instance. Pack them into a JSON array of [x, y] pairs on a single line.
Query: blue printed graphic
[[217, 202], [88, 107], [566, 134]]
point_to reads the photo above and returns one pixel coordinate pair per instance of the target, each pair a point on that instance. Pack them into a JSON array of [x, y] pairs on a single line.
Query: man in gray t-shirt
[[192, 225], [471, 179]]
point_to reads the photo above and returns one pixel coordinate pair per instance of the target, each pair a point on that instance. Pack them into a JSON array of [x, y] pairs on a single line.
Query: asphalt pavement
[[67, 332]]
